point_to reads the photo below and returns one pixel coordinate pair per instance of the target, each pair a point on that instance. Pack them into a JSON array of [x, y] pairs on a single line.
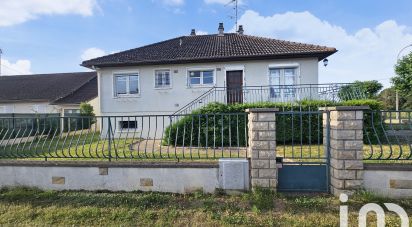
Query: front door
[[234, 82]]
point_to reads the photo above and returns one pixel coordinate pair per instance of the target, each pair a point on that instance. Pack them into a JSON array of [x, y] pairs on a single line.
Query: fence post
[[262, 147], [345, 147], [110, 138]]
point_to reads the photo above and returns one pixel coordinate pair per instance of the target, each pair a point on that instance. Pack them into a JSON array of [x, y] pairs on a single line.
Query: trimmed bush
[[23, 125], [226, 125]]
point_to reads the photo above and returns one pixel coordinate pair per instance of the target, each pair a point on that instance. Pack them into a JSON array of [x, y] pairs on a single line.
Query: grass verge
[[24, 206]]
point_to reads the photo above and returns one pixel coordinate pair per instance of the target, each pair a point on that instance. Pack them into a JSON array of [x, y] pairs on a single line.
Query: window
[[274, 79], [162, 79], [39, 108], [201, 77], [126, 84], [283, 81], [290, 80], [71, 111], [128, 124], [7, 109]]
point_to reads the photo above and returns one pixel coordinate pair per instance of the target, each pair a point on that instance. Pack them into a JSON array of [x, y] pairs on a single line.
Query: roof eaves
[[320, 55], [71, 92]]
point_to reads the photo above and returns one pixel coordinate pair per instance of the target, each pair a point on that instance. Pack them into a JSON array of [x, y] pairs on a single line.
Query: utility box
[[234, 174]]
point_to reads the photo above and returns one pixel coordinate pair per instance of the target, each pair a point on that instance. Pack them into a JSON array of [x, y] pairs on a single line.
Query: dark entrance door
[[234, 82]]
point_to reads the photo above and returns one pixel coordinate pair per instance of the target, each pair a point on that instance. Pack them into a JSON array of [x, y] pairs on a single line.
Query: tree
[[86, 110], [360, 89], [388, 99], [403, 79]]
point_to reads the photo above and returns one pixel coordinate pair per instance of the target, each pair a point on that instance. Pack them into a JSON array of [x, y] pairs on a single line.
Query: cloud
[[14, 12], [91, 53], [172, 2], [366, 54], [222, 2], [20, 67]]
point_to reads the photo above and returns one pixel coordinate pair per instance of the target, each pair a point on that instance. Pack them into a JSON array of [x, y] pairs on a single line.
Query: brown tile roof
[[211, 48], [86, 92], [58, 87]]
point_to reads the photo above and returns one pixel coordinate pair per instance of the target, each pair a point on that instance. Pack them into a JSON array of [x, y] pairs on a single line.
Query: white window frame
[[126, 73], [7, 109], [39, 108], [120, 128], [282, 67], [170, 79], [189, 85], [71, 110]]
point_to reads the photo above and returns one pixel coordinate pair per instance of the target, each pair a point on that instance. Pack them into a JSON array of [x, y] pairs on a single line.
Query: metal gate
[[302, 150]]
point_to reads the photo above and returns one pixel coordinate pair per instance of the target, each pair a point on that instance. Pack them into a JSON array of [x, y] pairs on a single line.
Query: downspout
[[99, 100]]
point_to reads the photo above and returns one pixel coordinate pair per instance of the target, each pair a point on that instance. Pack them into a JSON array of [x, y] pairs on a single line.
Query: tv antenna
[[236, 9]]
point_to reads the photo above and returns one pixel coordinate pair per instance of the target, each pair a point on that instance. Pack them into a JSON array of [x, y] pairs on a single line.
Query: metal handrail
[[194, 101], [272, 93]]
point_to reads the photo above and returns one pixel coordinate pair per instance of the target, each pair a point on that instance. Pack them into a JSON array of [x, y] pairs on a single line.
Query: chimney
[[240, 31], [193, 32], [221, 30]]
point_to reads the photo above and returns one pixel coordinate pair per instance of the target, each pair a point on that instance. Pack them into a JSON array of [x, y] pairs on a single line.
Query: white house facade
[[176, 76], [180, 87]]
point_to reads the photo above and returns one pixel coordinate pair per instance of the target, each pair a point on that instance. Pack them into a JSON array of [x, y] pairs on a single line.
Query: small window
[[201, 77], [71, 111], [126, 84], [162, 79], [128, 124], [39, 108]]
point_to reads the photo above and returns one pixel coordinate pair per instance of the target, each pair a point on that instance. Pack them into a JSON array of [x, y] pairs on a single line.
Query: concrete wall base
[[127, 176], [392, 181]]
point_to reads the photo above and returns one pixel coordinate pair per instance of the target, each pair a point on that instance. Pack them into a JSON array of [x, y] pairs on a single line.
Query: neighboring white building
[[163, 77], [47, 93]]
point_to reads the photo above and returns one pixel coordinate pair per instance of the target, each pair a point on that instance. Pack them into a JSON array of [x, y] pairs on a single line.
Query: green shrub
[[374, 129], [86, 110], [217, 124], [372, 103], [360, 89], [22, 125], [207, 130], [79, 121]]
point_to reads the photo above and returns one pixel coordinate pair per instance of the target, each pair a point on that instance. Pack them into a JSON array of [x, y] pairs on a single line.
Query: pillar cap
[[261, 110], [345, 108]]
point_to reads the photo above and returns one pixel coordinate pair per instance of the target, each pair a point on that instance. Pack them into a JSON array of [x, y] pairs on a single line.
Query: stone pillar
[[345, 146], [262, 147]]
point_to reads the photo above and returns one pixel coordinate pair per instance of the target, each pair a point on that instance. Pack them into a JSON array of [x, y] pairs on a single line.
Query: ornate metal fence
[[174, 137], [388, 135]]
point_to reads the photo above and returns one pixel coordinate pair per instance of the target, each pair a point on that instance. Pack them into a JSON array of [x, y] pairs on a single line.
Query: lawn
[[22, 206]]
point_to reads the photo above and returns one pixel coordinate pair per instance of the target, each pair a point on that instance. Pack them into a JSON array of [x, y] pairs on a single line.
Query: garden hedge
[[226, 125]]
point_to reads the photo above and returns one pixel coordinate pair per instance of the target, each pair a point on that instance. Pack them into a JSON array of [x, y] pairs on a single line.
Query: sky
[[48, 36]]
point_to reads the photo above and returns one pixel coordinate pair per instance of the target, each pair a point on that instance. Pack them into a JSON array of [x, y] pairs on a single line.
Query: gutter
[[320, 55]]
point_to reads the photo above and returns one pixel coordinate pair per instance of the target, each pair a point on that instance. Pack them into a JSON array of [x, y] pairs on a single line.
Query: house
[[59, 93], [172, 75]]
